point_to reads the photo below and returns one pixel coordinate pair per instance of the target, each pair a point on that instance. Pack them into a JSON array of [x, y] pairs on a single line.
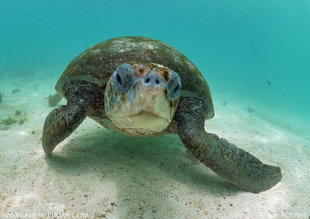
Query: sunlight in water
[[23, 133]]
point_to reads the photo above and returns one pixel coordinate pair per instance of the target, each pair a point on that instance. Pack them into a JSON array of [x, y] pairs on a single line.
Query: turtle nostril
[[152, 79]]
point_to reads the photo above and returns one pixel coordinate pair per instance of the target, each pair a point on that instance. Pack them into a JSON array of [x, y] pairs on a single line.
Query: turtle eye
[[118, 79], [174, 86], [123, 78]]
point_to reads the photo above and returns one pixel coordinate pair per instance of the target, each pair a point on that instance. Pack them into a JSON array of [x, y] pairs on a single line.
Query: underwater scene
[[176, 109]]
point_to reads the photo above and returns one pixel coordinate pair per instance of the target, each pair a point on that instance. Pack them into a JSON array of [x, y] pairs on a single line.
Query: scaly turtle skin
[[142, 87]]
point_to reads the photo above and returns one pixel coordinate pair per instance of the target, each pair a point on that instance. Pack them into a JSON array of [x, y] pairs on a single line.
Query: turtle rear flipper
[[60, 123], [233, 164]]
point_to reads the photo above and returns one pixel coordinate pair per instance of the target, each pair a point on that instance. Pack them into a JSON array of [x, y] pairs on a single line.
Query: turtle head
[[141, 98]]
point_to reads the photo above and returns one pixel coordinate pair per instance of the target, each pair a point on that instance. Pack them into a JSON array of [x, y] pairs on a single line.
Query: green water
[[252, 53]]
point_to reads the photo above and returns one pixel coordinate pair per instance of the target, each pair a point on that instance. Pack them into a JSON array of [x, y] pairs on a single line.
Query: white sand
[[96, 173]]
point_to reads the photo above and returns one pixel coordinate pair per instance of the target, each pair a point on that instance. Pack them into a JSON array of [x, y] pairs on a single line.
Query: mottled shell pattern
[[97, 64]]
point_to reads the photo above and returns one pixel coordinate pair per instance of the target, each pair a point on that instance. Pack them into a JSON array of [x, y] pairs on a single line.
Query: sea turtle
[[139, 86]]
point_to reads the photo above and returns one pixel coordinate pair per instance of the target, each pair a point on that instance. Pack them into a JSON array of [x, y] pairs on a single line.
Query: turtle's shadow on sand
[[146, 169]]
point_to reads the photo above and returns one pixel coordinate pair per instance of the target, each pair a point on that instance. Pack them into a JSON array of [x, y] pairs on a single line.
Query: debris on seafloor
[[250, 110], [17, 113], [7, 122], [16, 90], [22, 121], [17, 118], [269, 82]]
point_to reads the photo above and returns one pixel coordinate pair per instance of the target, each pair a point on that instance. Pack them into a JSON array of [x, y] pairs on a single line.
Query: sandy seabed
[[96, 173]]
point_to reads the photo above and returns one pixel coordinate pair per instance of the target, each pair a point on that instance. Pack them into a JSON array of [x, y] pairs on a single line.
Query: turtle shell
[[97, 64]]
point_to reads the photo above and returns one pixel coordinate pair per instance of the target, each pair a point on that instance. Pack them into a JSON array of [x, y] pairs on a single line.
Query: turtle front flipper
[[60, 123], [233, 164]]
